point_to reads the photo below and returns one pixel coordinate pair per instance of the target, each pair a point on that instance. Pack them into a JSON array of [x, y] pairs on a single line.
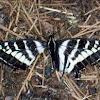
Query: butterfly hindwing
[[21, 53], [75, 54]]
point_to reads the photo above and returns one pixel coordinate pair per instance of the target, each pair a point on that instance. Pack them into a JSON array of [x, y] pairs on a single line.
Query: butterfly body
[[68, 55], [53, 49]]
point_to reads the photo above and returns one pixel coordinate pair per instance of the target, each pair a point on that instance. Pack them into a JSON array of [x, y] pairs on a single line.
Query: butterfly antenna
[[53, 32]]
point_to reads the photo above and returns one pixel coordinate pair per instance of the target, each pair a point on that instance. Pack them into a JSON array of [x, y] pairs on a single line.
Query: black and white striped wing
[[20, 53], [75, 54]]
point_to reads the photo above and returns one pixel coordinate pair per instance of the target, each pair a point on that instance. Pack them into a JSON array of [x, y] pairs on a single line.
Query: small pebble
[[48, 71], [9, 98], [25, 98], [29, 92], [6, 19], [93, 90], [42, 10], [52, 13], [76, 74], [79, 83], [72, 1], [1, 7]]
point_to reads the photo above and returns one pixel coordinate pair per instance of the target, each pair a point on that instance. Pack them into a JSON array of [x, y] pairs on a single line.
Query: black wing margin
[[76, 53], [20, 53]]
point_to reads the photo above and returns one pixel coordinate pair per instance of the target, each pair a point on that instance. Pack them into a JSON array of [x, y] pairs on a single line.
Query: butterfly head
[[51, 42]]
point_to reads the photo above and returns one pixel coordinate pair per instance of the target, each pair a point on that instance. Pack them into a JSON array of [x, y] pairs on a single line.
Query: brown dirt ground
[[38, 19]]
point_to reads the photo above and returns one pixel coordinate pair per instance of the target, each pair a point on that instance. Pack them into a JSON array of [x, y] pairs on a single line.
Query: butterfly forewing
[[21, 53], [77, 53]]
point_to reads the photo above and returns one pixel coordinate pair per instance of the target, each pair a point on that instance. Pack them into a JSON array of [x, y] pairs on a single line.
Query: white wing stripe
[[28, 51], [7, 47], [6, 44], [14, 53], [22, 59], [27, 62], [62, 58], [61, 51], [39, 47], [87, 44], [16, 46], [70, 61], [97, 42], [94, 50], [18, 55], [9, 51], [0, 47]]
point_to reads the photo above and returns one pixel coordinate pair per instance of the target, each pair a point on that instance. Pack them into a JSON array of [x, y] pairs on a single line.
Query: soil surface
[[38, 19]]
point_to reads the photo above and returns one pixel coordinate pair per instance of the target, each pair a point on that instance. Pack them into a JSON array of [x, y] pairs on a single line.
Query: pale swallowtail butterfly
[[68, 55]]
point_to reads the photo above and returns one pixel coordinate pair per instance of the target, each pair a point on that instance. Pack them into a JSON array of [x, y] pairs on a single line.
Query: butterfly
[[68, 55]]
